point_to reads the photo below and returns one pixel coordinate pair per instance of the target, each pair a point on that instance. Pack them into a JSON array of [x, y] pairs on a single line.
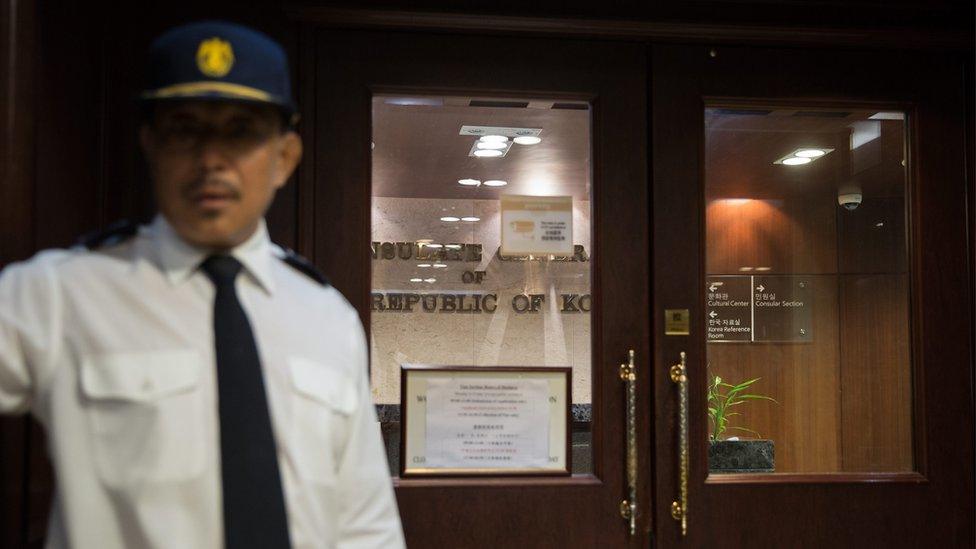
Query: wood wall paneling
[[876, 381]]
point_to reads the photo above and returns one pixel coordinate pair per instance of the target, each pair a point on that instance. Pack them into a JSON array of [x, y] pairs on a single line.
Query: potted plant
[[731, 454]]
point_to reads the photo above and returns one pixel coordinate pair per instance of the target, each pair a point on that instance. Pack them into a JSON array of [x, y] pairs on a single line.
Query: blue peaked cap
[[218, 61]]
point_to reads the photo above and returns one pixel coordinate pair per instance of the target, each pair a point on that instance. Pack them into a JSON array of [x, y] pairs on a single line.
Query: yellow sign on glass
[[537, 225]]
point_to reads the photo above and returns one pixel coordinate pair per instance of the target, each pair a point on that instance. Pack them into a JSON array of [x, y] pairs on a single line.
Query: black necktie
[[254, 505]]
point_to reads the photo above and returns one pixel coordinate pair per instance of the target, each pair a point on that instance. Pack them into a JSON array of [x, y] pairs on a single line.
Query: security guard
[[200, 387]]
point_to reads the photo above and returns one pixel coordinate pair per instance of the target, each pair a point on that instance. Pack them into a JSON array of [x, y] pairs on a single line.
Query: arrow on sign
[[760, 287], [713, 287], [713, 314]]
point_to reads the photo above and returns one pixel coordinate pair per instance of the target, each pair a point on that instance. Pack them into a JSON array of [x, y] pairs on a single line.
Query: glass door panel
[[807, 291], [443, 293]]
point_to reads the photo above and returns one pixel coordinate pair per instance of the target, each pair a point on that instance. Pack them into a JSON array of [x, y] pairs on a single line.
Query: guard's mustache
[[211, 185]]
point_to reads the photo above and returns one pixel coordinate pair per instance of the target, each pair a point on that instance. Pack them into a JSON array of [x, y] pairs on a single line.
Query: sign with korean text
[[537, 225], [770, 308], [728, 308]]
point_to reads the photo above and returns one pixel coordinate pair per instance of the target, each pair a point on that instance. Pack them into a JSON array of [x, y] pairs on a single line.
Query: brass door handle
[[628, 507], [679, 508]]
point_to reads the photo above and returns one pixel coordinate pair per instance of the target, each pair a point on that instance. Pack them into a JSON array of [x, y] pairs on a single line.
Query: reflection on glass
[[442, 294], [807, 291]]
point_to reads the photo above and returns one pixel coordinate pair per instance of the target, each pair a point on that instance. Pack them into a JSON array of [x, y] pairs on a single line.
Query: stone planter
[[741, 456]]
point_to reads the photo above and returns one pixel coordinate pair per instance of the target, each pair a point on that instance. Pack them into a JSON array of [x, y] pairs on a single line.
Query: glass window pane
[[442, 292], [807, 289]]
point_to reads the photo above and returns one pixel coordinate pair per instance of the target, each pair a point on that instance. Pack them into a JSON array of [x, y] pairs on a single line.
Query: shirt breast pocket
[[146, 416], [323, 401]]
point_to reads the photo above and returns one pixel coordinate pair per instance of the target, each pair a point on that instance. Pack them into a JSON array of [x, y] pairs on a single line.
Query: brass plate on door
[[676, 322]]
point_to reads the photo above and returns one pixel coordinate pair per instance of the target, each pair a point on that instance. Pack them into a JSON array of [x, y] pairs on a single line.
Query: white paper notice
[[493, 423], [540, 225]]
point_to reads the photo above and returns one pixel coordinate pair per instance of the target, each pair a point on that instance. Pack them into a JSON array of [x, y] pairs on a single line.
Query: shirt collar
[[180, 259]]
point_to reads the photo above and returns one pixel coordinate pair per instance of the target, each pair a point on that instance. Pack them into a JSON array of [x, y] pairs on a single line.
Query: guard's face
[[216, 167]]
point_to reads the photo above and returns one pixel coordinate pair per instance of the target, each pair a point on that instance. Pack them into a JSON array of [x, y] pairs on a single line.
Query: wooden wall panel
[[876, 376], [792, 234]]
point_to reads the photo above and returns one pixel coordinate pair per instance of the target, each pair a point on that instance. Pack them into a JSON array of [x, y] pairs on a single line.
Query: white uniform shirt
[[113, 352]]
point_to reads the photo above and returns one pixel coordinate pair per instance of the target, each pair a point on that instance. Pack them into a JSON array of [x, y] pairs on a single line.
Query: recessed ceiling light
[[416, 280], [763, 268], [527, 140], [493, 139], [440, 266], [431, 280], [435, 245], [483, 145], [453, 246], [745, 269], [803, 156], [450, 218], [796, 161], [423, 265], [495, 183], [488, 153], [469, 182], [470, 218]]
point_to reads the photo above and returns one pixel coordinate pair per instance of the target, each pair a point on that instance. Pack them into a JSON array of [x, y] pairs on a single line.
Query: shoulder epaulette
[[303, 265], [117, 232]]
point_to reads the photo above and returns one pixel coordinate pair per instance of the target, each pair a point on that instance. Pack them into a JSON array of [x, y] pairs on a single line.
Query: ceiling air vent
[[571, 106], [502, 104]]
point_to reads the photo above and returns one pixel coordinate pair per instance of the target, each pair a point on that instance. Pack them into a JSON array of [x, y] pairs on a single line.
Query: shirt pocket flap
[[139, 376], [324, 384]]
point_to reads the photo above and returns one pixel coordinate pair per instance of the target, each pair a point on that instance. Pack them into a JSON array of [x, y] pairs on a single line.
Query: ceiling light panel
[[803, 155]]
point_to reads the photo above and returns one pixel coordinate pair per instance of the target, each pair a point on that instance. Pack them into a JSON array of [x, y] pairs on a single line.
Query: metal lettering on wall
[[774, 308], [403, 302]]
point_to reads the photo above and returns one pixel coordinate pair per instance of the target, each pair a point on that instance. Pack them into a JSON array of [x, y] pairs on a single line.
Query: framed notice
[[537, 225], [483, 420]]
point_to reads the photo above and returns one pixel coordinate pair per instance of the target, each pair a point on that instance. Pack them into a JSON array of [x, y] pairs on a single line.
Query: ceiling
[[418, 152]]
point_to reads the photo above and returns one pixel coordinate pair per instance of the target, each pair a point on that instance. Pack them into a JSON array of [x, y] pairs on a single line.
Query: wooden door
[[865, 239], [357, 73]]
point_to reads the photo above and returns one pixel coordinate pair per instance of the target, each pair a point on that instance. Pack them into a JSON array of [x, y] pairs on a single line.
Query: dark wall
[[69, 72]]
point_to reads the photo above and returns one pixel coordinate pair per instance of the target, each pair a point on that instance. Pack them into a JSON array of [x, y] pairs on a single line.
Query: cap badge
[[215, 57]]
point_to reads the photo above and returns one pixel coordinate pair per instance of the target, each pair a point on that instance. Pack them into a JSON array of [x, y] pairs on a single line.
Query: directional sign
[[783, 308], [728, 306]]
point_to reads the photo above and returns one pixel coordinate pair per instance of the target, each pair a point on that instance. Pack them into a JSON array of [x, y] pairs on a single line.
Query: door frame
[[918, 507], [349, 67]]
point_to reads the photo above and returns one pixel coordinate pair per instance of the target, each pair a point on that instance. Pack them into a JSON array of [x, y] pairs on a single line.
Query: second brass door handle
[[679, 508], [628, 507]]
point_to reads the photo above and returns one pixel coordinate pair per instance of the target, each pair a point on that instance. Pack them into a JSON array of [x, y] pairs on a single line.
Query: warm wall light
[[745, 269]]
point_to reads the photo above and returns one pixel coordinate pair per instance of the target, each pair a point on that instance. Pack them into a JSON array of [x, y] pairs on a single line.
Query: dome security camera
[[849, 198]]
